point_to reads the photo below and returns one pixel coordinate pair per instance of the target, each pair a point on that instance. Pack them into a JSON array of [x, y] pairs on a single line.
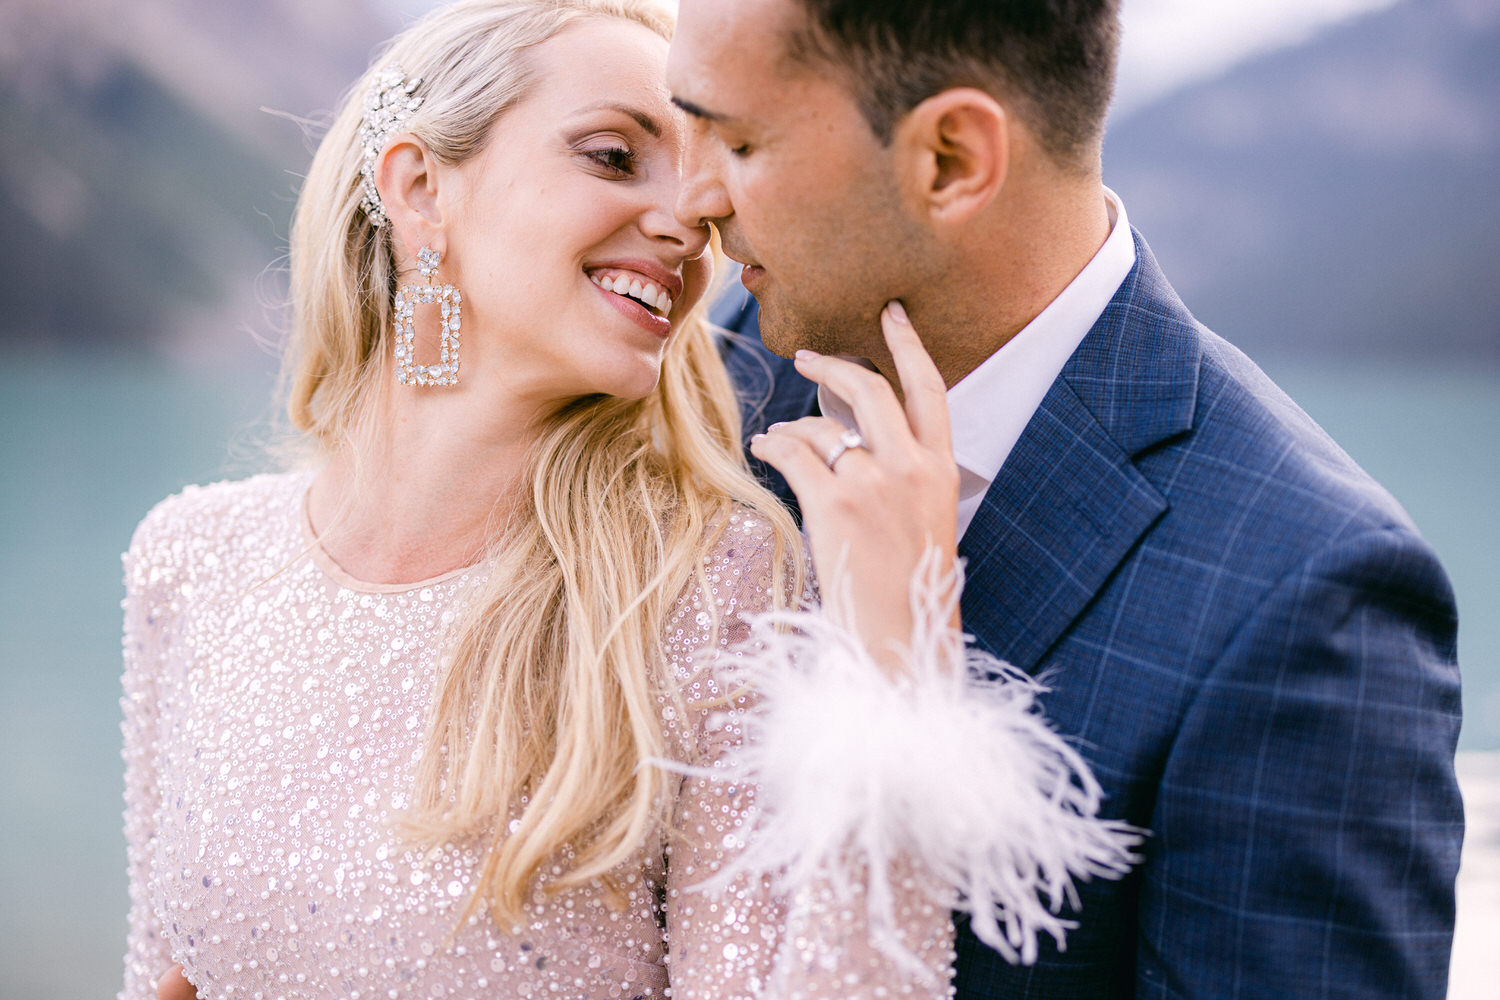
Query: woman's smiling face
[[561, 234]]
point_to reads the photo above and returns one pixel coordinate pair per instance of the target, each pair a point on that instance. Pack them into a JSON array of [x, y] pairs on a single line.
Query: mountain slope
[[138, 169], [1338, 197]]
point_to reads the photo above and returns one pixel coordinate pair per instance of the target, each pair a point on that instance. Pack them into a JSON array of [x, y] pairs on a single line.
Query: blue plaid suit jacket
[[1248, 640]]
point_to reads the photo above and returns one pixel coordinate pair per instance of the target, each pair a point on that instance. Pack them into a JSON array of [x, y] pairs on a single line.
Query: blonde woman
[[452, 712]]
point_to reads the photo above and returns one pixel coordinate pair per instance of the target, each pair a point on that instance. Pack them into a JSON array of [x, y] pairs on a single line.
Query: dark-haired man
[[1245, 634]]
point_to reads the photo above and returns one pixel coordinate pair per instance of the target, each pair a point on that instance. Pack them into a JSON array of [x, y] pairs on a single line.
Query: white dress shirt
[[991, 406]]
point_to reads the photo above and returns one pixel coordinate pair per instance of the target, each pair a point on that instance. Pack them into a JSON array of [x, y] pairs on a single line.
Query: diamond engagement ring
[[847, 440]]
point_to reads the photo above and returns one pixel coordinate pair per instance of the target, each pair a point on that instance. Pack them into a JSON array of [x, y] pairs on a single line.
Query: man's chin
[[785, 333], [778, 335]]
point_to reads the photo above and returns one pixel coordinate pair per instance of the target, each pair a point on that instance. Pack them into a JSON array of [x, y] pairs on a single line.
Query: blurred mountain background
[[1346, 185], [142, 177], [1317, 177]]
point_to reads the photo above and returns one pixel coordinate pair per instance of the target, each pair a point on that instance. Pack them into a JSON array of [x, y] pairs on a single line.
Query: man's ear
[[954, 150], [406, 175]]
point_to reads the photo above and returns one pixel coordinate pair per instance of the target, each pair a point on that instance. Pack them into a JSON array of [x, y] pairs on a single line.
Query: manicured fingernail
[[806, 355], [779, 423], [897, 311], [757, 438]]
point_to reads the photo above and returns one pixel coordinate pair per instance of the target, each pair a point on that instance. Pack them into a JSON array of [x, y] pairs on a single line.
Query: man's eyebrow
[[699, 112], [642, 119]]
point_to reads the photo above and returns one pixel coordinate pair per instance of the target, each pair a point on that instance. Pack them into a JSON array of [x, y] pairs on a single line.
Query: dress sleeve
[[874, 805], [736, 931], [147, 608]]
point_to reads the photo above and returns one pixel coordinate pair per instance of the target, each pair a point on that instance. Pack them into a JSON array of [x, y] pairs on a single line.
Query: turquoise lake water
[[87, 445]]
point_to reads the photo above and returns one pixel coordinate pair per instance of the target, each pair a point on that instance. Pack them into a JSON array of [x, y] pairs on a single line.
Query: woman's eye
[[616, 159]]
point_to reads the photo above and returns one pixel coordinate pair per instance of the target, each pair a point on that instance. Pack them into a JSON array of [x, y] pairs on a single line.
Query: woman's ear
[[406, 175], [954, 150]]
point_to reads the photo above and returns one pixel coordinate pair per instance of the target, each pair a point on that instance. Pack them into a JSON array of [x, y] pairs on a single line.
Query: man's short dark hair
[[1052, 61]]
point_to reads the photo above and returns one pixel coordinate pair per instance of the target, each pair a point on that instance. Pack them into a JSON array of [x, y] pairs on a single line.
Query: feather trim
[[951, 767]]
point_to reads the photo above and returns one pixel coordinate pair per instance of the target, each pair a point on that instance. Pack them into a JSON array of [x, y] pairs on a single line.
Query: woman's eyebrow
[[642, 119]]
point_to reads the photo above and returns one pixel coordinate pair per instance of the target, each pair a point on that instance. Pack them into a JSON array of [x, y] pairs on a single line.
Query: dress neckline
[[331, 569]]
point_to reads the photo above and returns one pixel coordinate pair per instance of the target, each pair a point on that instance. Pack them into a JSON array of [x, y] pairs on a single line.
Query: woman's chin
[[630, 379], [638, 388]]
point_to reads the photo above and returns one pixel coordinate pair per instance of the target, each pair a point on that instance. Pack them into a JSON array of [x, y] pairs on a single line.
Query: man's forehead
[[755, 30], [725, 52], [773, 18]]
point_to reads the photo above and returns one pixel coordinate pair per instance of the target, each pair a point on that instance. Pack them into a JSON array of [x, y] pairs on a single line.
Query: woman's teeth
[[648, 293]]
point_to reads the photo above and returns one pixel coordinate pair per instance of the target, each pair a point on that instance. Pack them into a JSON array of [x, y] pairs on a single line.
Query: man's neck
[[1010, 272]]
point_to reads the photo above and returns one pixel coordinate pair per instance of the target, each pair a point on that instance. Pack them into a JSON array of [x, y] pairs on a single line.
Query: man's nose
[[701, 197]]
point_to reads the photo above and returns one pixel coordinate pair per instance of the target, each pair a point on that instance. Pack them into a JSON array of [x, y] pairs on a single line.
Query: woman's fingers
[[174, 985], [828, 439], [871, 518], [793, 455], [878, 412], [876, 409], [873, 514], [921, 383]]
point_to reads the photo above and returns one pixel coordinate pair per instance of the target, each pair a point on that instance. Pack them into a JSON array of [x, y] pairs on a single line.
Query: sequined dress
[[274, 708]]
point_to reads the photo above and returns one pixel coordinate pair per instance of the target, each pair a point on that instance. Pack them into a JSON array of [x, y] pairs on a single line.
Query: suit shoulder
[[1253, 449]]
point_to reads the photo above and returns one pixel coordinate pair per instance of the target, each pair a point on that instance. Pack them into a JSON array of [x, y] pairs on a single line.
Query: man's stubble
[[835, 309]]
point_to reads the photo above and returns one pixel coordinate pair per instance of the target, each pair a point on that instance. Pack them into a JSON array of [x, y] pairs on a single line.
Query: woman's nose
[[661, 222]]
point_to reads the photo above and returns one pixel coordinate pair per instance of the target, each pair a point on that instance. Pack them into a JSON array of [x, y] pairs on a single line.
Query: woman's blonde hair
[[550, 701]]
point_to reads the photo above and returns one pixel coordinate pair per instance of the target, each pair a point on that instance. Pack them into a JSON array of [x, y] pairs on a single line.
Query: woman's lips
[[643, 317]]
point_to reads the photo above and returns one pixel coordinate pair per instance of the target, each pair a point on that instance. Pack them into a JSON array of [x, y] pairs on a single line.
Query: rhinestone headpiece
[[388, 103]]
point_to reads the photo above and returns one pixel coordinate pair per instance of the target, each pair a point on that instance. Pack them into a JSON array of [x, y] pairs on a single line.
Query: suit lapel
[[1065, 509], [1069, 503]]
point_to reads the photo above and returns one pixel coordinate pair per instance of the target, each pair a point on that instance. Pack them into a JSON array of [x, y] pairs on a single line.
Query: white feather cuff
[[951, 767]]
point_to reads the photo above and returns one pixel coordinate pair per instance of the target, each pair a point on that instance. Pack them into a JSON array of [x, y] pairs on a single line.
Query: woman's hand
[[873, 505], [174, 985]]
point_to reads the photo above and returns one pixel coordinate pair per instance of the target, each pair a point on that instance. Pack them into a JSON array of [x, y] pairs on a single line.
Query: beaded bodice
[[274, 709]]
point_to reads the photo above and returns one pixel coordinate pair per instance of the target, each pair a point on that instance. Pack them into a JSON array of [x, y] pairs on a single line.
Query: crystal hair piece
[[388, 103]]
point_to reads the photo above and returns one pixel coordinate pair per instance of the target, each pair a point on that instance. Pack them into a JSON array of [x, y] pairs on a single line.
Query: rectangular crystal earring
[[450, 306]]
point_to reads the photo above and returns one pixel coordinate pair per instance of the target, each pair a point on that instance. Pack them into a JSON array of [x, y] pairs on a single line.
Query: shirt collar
[[992, 405]]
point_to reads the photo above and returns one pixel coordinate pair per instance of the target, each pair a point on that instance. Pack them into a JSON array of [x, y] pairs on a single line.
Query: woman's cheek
[[697, 275]]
